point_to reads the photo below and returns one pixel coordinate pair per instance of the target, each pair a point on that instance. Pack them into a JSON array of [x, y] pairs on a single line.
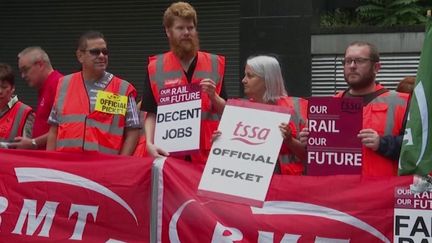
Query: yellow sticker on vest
[[111, 103]]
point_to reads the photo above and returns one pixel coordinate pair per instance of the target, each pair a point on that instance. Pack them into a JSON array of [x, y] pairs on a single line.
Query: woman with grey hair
[[263, 83]]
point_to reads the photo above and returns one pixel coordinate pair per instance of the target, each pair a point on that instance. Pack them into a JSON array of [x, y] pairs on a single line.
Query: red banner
[[348, 208], [66, 197]]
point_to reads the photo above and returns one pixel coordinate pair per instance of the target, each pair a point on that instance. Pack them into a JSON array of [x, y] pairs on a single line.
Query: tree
[[392, 12]]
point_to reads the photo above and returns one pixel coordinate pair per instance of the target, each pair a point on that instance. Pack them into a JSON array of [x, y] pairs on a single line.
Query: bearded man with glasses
[[383, 110], [93, 109]]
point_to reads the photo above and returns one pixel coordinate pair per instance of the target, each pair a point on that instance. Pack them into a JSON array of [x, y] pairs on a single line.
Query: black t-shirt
[[148, 101]]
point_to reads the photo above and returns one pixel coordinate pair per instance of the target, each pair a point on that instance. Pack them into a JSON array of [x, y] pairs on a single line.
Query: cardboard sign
[[333, 147], [242, 159], [412, 216], [178, 119]]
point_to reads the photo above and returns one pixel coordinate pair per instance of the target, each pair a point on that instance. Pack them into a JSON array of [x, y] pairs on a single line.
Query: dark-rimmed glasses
[[358, 61], [97, 52]]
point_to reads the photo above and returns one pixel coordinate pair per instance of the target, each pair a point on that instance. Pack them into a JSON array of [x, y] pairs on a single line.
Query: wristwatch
[[34, 144]]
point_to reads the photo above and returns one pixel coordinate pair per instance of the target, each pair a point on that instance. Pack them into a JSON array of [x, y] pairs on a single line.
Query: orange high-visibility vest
[[289, 163], [13, 121], [78, 128], [165, 71], [385, 115]]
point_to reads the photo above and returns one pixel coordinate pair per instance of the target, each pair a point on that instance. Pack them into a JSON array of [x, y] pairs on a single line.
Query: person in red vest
[[16, 118], [184, 64], [383, 110], [93, 109], [263, 83], [35, 67]]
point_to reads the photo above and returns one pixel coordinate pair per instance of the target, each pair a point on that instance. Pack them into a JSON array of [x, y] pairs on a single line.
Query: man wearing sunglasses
[[93, 109], [383, 110], [36, 69], [184, 64]]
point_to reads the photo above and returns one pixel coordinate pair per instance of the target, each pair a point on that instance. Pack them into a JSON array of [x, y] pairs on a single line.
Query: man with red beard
[[93, 109], [184, 64], [383, 110]]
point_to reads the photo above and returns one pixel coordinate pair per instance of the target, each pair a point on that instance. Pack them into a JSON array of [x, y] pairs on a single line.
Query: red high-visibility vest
[[289, 163], [13, 121], [385, 115], [165, 70], [78, 128]]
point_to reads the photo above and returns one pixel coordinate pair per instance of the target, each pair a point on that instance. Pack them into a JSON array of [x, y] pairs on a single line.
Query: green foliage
[[392, 12], [339, 18]]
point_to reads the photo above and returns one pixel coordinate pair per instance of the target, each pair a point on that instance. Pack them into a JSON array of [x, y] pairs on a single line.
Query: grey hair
[[37, 53], [268, 68]]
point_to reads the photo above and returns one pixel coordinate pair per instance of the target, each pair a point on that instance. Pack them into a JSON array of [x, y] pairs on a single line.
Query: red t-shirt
[[46, 97]]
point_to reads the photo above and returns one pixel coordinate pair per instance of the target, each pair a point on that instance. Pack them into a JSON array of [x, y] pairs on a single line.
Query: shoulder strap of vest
[[368, 98]]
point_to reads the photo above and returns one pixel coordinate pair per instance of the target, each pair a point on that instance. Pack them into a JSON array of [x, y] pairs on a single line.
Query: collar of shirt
[[12, 101]]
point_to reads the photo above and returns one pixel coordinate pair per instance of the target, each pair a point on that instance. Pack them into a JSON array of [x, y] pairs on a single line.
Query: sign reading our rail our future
[[333, 147], [178, 119], [243, 158]]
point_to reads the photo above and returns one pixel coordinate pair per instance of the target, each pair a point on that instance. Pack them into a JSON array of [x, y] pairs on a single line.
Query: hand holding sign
[[155, 151], [208, 86], [369, 138], [303, 135], [286, 131]]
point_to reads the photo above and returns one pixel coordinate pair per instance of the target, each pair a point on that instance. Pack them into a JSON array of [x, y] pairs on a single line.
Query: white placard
[[412, 216], [243, 158], [178, 119]]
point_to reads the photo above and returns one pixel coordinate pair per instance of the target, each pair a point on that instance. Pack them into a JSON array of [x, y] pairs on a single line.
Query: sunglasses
[[97, 52]]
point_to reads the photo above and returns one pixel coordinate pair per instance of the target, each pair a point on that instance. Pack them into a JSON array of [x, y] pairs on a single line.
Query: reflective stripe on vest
[[288, 158], [209, 116], [62, 93], [392, 99], [87, 146], [297, 118], [92, 123], [214, 74], [16, 128], [160, 76]]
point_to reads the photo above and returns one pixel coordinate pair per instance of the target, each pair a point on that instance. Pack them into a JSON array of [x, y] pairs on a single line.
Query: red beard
[[186, 48]]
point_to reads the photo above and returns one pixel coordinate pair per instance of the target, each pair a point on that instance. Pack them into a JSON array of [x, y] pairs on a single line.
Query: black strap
[[369, 97]]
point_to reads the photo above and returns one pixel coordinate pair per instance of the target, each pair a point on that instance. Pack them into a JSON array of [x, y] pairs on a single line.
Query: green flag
[[416, 153]]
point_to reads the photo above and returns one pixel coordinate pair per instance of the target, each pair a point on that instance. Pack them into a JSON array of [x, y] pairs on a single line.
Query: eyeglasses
[[97, 52], [358, 60]]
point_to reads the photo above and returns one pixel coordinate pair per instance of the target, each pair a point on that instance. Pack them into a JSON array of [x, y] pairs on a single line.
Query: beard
[[363, 81], [185, 49]]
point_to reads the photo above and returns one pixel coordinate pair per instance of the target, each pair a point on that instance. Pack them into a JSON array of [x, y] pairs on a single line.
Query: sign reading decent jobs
[[333, 147], [178, 120], [242, 159]]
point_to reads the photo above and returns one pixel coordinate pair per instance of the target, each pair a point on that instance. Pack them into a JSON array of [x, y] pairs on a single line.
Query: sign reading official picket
[[243, 158], [332, 146], [178, 119]]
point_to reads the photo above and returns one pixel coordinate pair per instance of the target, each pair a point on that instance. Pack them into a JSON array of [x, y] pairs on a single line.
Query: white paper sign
[[178, 119], [412, 216], [243, 158]]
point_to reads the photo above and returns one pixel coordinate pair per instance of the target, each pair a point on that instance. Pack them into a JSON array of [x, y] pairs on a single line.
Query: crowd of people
[[72, 112]]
